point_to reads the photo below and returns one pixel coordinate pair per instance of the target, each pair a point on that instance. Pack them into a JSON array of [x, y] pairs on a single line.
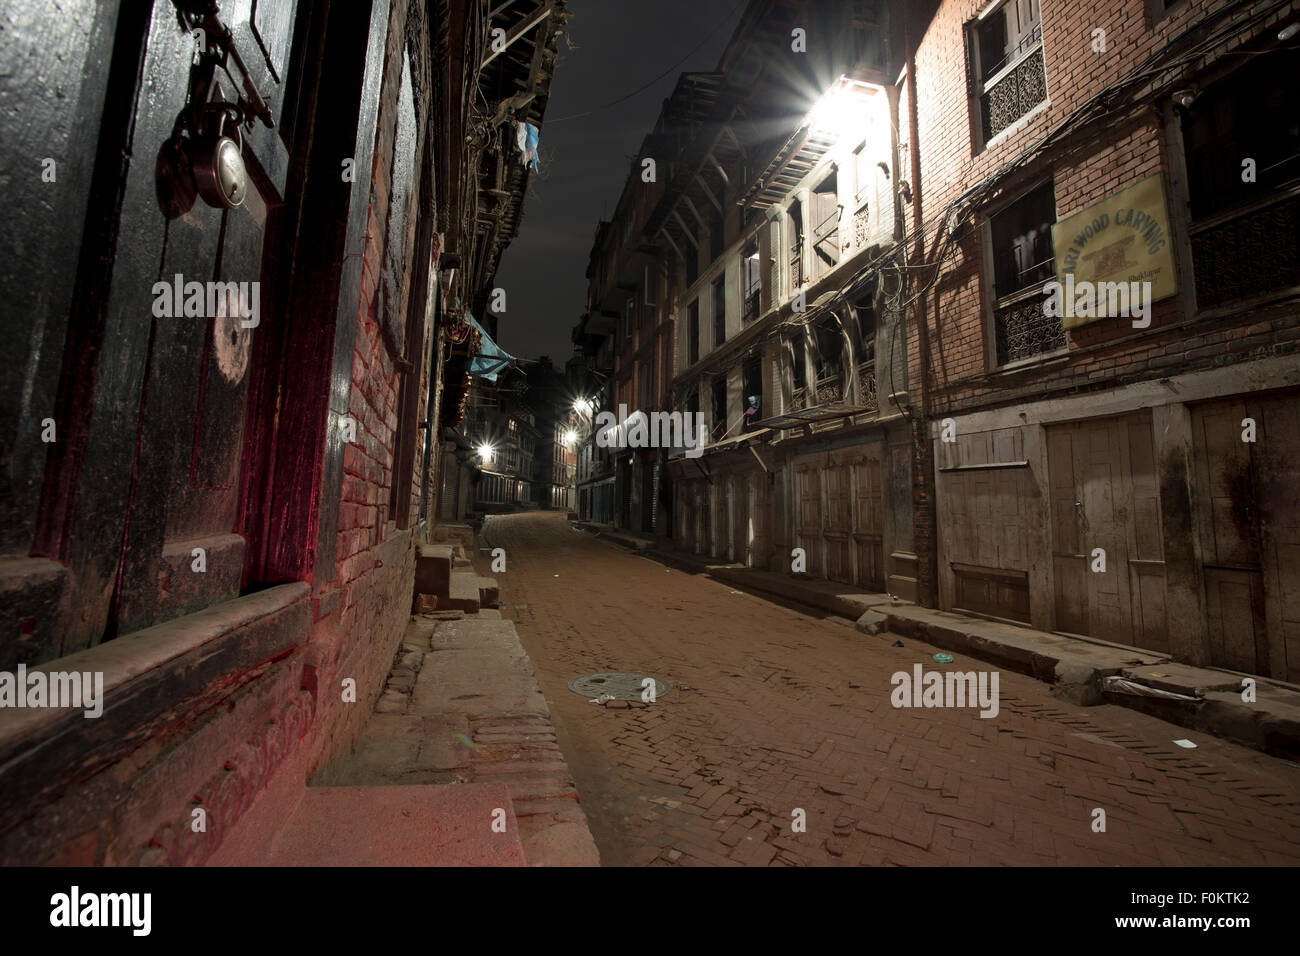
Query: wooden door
[[838, 528], [142, 500], [1250, 532], [808, 517], [186, 493], [1107, 551], [869, 525]]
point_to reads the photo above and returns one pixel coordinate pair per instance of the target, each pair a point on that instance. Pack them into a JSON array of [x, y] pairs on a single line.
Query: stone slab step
[[400, 826], [433, 564], [464, 593], [476, 632], [453, 534]]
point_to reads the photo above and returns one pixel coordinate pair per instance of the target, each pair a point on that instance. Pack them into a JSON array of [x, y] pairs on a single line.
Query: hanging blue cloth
[[527, 137], [490, 358]]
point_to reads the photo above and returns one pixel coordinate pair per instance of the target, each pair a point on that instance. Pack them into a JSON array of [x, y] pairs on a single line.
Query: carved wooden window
[[1023, 259], [828, 360], [1006, 59], [1022, 241], [1243, 170]]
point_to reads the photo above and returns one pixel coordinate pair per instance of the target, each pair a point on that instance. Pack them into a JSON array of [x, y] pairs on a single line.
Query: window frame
[[992, 303], [980, 87]]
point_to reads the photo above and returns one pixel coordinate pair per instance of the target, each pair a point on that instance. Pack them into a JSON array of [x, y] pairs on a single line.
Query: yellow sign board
[[1115, 257]]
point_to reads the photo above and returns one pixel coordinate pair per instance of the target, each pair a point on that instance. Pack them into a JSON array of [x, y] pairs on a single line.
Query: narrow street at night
[[573, 440], [775, 708]]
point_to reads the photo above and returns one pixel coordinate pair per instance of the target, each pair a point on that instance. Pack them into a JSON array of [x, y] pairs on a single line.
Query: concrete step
[[400, 826], [475, 632], [1089, 672], [433, 564], [451, 678], [488, 592], [463, 594], [454, 534]]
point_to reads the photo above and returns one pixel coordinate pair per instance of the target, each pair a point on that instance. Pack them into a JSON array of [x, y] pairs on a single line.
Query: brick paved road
[[779, 709]]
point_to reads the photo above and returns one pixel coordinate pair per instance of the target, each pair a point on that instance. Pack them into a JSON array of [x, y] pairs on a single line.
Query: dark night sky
[[620, 45]]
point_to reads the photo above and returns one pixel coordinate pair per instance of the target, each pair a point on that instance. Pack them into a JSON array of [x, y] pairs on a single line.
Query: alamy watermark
[[76, 908], [946, 689], [208, 300], [684, 430], [1091, 300], [78, 689]]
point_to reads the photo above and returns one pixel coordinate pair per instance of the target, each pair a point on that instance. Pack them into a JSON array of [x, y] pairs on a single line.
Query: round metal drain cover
[[616, 685]]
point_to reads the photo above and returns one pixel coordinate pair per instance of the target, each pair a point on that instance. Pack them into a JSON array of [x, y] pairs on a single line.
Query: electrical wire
[[1096, 107], [649, 83]]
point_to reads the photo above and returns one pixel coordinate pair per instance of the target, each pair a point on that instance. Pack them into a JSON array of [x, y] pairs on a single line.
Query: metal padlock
[[219, 171]]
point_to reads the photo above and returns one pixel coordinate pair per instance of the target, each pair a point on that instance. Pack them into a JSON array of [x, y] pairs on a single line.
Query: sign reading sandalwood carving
[[1122, 239]]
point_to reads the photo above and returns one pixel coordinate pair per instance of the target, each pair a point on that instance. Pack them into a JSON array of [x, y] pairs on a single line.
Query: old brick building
[[1125, 477], [774, 212], [215, 499], [871, 215]]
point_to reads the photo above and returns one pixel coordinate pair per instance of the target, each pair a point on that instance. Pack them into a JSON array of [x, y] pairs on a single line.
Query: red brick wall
[[1128, 146], [374, 563]]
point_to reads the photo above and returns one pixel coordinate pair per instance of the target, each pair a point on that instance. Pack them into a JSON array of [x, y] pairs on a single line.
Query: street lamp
[[485, 452], [840, 106]]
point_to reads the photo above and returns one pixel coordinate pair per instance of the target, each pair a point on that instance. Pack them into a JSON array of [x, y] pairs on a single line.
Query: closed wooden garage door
[[840, 516], [1107, 546], [1249, 523]]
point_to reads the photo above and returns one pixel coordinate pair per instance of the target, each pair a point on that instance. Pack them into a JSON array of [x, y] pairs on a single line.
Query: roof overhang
[[808, 145], [807, 416]]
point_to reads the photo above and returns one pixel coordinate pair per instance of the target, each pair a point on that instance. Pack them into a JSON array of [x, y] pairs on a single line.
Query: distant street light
[[485, 452]]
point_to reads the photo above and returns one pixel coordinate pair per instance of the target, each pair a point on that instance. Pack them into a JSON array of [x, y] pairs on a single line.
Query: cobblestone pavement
[[777, 709]]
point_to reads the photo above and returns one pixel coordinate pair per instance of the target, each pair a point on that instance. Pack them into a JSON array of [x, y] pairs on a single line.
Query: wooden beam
[[686, 232], [520, 31], [667, 236], [709, 193], [732, 136], [726, 180], [695, 212]]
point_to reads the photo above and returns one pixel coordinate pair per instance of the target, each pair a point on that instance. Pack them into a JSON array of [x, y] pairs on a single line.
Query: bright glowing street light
[[582, 406], [485, 452], [570, 437], [840, 107]]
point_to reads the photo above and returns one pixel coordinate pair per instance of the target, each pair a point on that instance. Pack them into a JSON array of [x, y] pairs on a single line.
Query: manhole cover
[[616, 685]]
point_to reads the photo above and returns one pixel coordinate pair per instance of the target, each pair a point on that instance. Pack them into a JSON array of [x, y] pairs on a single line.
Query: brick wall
[[374, 563], [1126, 147]]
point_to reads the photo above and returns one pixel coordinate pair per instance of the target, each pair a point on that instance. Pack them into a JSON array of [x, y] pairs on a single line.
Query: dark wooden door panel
[[1105, 496], [1235, 612], [164, 425]]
